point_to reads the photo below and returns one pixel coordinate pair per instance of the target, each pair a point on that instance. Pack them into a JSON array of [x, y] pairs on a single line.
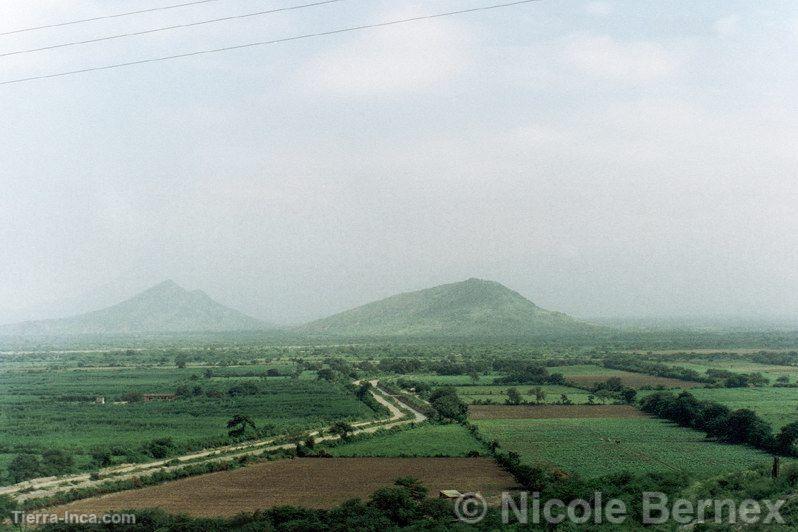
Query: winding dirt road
[[48, 486]]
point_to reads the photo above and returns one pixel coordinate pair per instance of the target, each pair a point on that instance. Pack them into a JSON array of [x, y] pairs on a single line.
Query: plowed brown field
[[309, 482]]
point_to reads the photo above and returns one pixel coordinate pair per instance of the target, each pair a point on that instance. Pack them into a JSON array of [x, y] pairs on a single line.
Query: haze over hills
[[166, 307], [473, 307]]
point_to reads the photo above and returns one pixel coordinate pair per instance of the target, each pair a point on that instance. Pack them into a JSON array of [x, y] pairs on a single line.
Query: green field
[[56, 409], [597, 447], [498, 394], [425, 440], [777, 406]]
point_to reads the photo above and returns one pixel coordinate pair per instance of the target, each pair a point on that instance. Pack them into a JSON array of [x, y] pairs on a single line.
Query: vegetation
[[425, 440], [51, 424], [597, 447]]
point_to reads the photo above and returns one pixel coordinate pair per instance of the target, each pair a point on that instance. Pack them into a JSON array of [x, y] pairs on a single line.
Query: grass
[[425, 440], [594, 448]]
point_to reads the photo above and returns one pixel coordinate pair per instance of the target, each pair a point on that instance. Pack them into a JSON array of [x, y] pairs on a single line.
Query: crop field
[[777, 406], [498, 394], [586, 375], [56, 409], [476, 412], [309, 482], [613, 445], [426, 440]]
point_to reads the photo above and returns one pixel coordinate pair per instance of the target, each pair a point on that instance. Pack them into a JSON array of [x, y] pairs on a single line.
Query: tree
[[24, 466], [101, 458], [540, 395], [513, 397], [238, 425], [448, 405], [180, 360], [342, 429], [56, 462], [744, 426], [160, 447], [629, 395], [326, 374], [787, 438]]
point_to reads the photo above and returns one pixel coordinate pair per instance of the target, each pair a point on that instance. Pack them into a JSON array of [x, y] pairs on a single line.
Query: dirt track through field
[[552, 411], [309, 482], [48, 486]]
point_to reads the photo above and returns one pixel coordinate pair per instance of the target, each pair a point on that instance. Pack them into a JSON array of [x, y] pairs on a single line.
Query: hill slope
[[166, 307], [470, 308]]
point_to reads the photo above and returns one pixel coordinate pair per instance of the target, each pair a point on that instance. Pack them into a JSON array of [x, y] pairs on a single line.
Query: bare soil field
[[552, 411], [309, 482], [633, 380]]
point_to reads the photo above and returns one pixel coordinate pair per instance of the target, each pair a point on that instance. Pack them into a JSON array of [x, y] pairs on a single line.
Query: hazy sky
[[600, 157]]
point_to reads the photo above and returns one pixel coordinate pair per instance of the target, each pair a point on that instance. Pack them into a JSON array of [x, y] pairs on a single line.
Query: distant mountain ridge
[[166, 307], [470, 308]]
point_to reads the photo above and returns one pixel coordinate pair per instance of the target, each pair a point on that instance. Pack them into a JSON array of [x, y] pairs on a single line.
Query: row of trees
[[635, 364], [742, 426]]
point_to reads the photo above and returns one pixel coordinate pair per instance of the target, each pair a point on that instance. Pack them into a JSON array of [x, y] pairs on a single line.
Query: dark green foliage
[[56, 462], [160, 447], [636, 364], [742, 426], [448, 406], [24, 466], [513, 397], [238, 425], [787, 438], [342, 429]]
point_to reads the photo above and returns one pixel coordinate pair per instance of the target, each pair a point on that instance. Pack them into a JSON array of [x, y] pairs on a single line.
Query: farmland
[[310, 482], [777, 406], [637, 445], [42, 410], [476, 412], [426, 440], [589, 427]]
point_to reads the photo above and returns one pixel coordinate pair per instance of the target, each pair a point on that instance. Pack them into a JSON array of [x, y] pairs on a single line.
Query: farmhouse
[[147, 397]]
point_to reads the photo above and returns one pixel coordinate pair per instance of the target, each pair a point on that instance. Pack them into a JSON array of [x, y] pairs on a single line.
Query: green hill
[[470, 308], [166, 307]]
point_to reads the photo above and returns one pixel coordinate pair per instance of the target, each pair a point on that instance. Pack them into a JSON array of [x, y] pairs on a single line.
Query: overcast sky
[[603, 158]]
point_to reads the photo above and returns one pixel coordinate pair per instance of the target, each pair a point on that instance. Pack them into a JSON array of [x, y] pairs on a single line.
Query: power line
[[166, 28], [105, 17], [265, 43]]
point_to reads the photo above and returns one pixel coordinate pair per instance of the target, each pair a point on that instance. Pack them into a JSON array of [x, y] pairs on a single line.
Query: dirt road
[[48, 486]]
